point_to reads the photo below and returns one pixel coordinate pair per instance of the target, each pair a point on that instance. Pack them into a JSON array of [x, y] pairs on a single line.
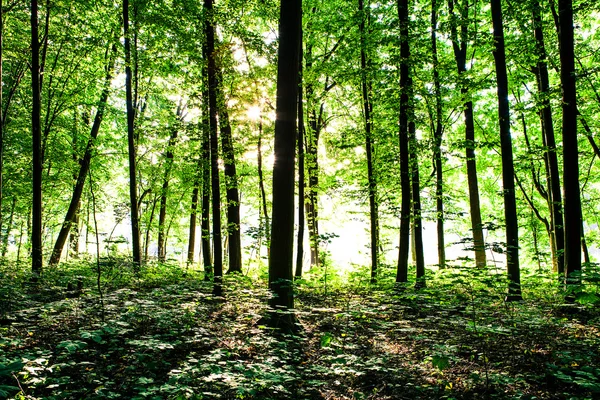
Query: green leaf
[[326, 339], [440, 362]]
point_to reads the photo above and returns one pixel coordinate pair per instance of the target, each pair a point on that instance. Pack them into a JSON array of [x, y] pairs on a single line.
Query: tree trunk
[[261, 184], [214, 149], [572, 200], [460, 54], [301, 177], [193, 218], [550, 144], [234, 240], [131, 145], [84, 163], [508, 173], [36, 218], [205, 160], [437, 136], [416, 196], [402, 271], [282, 234], [369, 145], [162, 211]]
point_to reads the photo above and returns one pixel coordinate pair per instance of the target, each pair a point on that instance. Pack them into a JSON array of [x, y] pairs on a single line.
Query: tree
[[369, 146], [508, 174], [131, 146], [214, 147], [572, 199], [36, 132], [402, 270], [282, 221], [460, 46]]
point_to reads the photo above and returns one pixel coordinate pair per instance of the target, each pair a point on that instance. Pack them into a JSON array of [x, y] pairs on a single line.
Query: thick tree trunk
[[369, 145], [402, 271], [84, 163], [437, 136], [214, 149], [572, 199], [131, 145], [36, 218], [282, 234], [550, 144], [460, 54], [508, 174], [206, 171]]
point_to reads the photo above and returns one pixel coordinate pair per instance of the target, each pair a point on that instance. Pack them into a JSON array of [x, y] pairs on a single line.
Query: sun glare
[[254, 113]]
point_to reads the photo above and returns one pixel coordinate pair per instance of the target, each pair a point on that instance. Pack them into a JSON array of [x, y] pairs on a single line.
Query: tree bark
[[459, 46], [369, 142], [36, 218], [555, 197], [282, 233], [437, 136], [231, 182], [192, 228], [508, 173], [131, 145], [84, 162], [572, 199], [301, 177], [214, 149], [416, 196], [404, 247]]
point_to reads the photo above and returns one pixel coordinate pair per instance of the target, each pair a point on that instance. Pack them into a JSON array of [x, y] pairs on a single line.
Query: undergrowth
[[162, 334]]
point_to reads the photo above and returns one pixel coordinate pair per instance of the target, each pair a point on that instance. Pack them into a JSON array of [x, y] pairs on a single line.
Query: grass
[[164, 336]]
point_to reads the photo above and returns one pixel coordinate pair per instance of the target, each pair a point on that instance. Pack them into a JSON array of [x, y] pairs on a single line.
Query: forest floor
[[165, 336]]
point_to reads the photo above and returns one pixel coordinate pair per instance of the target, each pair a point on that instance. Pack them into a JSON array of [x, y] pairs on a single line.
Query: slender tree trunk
[[301, 178], [1, 119], [282, 234], [549, 143], [214, 149], [149, 228], [439, 172], [508, 173], [402, 271], [460, 54], [234, 240], [261, 183], [162, 210], [369, 145], [9, 227], [131, 146], [84, 163], [36, 219], [572, 199], [416, 196], [193, 218], [205, 223]]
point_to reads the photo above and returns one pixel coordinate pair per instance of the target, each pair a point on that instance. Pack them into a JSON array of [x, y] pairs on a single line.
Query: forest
[[262, 199]]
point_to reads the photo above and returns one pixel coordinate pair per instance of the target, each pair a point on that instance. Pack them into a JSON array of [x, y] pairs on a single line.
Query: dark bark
[[301, 177], [369, 142], [84, 162], [261, 184], [162, 211], [231, 183], [36, 217], [437, 136], [193, 218], [416, 196], [206, 171], [131, 145], [214, 149], [282, 233], [508, 173], [555, 197], [1, 121], [459, 45], [402, 271], [572, 199]]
